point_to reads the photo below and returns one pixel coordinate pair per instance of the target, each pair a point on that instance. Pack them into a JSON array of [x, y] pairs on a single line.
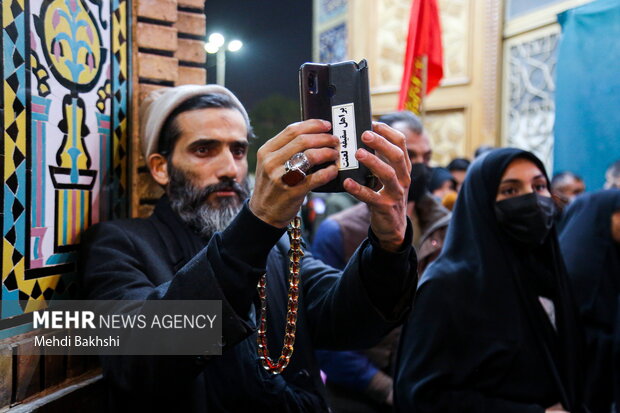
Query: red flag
[[424, 57]]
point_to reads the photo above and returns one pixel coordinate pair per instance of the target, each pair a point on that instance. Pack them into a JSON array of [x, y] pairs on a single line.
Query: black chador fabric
[[479, 339], [593, 263], [159, 258]]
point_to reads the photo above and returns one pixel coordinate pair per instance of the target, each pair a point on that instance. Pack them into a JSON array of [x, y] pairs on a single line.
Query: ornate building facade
[[499, 61]]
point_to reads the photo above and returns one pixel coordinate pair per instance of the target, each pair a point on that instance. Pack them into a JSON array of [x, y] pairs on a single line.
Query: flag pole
[[424, 84]]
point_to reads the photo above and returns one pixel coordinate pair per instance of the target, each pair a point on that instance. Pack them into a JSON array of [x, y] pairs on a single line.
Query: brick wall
[[168, 51]]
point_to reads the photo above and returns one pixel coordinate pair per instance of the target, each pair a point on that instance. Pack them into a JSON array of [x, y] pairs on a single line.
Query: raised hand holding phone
[[339, 93]]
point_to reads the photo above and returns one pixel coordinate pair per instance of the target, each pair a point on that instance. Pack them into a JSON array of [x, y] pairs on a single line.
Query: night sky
[[277, 39]]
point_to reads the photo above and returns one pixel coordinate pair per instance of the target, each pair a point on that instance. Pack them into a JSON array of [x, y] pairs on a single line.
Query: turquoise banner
[[587, 124]]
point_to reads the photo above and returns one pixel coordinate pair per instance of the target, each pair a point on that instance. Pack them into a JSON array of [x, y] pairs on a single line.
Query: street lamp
[[215, 46]]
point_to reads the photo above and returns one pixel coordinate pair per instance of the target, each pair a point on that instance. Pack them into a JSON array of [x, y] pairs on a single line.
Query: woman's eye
[[540, 187], [509, 191]]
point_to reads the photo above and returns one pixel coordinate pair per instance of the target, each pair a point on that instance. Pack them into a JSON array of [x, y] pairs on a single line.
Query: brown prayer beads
[[295, 254]]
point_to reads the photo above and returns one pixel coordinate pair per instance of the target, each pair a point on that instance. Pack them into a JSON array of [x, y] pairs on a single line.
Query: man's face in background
[[418, 145], [569, 188]]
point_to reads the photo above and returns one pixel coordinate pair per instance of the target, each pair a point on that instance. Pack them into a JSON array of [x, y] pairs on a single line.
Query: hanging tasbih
[[295, 254]]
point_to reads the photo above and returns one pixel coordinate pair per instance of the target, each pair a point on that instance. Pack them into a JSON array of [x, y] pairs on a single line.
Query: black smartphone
[[339, 93]]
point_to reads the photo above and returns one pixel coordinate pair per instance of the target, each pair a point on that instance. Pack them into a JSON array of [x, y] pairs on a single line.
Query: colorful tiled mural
[[65, 90]]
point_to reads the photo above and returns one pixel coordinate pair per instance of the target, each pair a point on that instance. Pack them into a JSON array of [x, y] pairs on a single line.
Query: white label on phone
[[343, 125]]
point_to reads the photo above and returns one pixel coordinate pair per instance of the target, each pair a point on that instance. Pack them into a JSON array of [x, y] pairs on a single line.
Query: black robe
[[160, 258], [593, 263], [478, 339]]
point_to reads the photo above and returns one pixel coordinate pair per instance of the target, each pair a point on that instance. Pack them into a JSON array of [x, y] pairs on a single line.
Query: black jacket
[[160, 258]]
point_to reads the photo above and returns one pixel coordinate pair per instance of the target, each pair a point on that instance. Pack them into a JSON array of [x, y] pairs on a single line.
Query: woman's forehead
[[522, 169]]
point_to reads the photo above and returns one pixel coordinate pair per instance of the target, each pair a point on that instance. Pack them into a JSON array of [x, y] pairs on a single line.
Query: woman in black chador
[[494, 327], [592, 257]]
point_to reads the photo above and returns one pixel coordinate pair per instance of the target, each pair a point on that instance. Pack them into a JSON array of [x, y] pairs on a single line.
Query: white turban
[[159, 104]]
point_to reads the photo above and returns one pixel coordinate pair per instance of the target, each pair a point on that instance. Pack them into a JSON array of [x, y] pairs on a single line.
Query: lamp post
[[215, 46]]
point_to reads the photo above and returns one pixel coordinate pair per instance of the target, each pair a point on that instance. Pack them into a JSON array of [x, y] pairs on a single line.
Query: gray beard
[[192, 206]]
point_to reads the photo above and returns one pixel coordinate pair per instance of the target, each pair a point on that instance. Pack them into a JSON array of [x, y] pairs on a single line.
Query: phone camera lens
[[313, 88]]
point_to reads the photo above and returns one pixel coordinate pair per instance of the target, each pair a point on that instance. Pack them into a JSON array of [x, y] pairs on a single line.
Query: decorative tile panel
[[447, 131], [64, 90], [331, 9], [529, 111], [455, 37], [391, 41], [333, 44]]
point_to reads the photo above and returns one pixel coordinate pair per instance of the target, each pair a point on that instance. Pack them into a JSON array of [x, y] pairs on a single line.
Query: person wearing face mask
[[590, 243], [494, 326]]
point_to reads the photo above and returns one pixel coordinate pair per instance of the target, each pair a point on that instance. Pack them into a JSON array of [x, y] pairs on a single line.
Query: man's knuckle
[[317, 122], [260, 154], [275, 176], [293, 128], [304, 141], [399, 155], [407, 180], [289, 130], [374, 160], [270, 164]]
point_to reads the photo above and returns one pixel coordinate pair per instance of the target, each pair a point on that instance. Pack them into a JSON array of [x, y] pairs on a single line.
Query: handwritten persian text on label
[[343, 123]]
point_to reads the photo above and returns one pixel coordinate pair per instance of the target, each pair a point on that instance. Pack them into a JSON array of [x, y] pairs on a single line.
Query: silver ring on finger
[[295, 169]]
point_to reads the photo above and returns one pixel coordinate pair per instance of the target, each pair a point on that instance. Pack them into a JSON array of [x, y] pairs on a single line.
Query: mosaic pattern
[[333, 44], [65, 93], [14, 243], [331, 9], [531, 94], [120, 106]]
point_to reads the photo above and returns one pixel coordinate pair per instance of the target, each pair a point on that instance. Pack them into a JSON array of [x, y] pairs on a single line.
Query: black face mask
[[526, 218], [420, 174]]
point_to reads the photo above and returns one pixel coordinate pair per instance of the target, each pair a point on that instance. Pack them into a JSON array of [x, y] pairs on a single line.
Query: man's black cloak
[[159, 258]]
